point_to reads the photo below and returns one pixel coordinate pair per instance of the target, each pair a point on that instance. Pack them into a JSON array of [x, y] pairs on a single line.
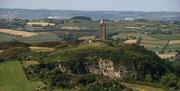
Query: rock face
[[101, 67], [107, 68]]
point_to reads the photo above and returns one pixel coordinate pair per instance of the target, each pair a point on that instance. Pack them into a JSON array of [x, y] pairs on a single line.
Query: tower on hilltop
[[102, 29]]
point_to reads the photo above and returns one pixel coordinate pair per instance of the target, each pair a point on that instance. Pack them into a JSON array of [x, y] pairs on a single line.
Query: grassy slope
[[12, 78], [139, 87]]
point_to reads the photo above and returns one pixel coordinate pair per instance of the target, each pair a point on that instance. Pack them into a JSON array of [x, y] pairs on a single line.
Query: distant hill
[[113, 15]]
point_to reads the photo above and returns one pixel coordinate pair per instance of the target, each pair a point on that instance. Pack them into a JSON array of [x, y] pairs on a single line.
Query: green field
[[12, 78], [174, 47], [166, 36], [138, 87]]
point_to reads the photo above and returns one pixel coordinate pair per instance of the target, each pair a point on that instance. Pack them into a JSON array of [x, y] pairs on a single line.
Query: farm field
[[18, 33], [41, 37], [12, 78], [136, 35], [87, 37], [174, 47], [147, 41], [166, 36], [41, 49], [173, 42], [131, 41], [167, 55], [59, 89], [29, 63], [138, 87], [154, 42]]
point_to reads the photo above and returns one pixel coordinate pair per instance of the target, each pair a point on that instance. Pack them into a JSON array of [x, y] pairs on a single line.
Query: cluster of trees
[[54, 78], [12, 24], [81, 18]]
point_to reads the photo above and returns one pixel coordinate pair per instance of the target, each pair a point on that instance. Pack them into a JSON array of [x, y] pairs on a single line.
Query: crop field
[[139, 87], [132, 41], [166, 36], [167, 55], [29, 63], [154, 42], [60, 89], [147, 41], [41, 49], [12, 78], [18, 33], [172, 42], [7, 37], [174, 47], [41, 37], [87, 37], [136, 35]]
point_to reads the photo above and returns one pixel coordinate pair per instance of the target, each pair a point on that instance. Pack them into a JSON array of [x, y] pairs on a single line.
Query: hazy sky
[[115, 5]]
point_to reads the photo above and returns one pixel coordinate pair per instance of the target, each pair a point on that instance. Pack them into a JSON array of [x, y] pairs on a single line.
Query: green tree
[[148, 78], [169, 80]]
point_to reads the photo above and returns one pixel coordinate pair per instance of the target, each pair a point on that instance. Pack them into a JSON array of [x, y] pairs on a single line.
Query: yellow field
[[41, 49], [29, 63], [18, 33], [130, 41], [1, 51], [87, 38], [167, 55], [172, 42]]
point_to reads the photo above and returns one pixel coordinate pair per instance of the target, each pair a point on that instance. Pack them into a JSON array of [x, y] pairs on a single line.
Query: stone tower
[[102, 29]]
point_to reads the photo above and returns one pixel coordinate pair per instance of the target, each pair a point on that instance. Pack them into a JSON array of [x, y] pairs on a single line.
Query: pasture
[[166, 36], [12, 78]]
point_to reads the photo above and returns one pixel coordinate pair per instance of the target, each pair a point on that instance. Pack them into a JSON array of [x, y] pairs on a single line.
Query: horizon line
[[89, 10]]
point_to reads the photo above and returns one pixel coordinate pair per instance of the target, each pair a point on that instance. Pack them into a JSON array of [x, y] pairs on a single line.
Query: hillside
[[82, 66]]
